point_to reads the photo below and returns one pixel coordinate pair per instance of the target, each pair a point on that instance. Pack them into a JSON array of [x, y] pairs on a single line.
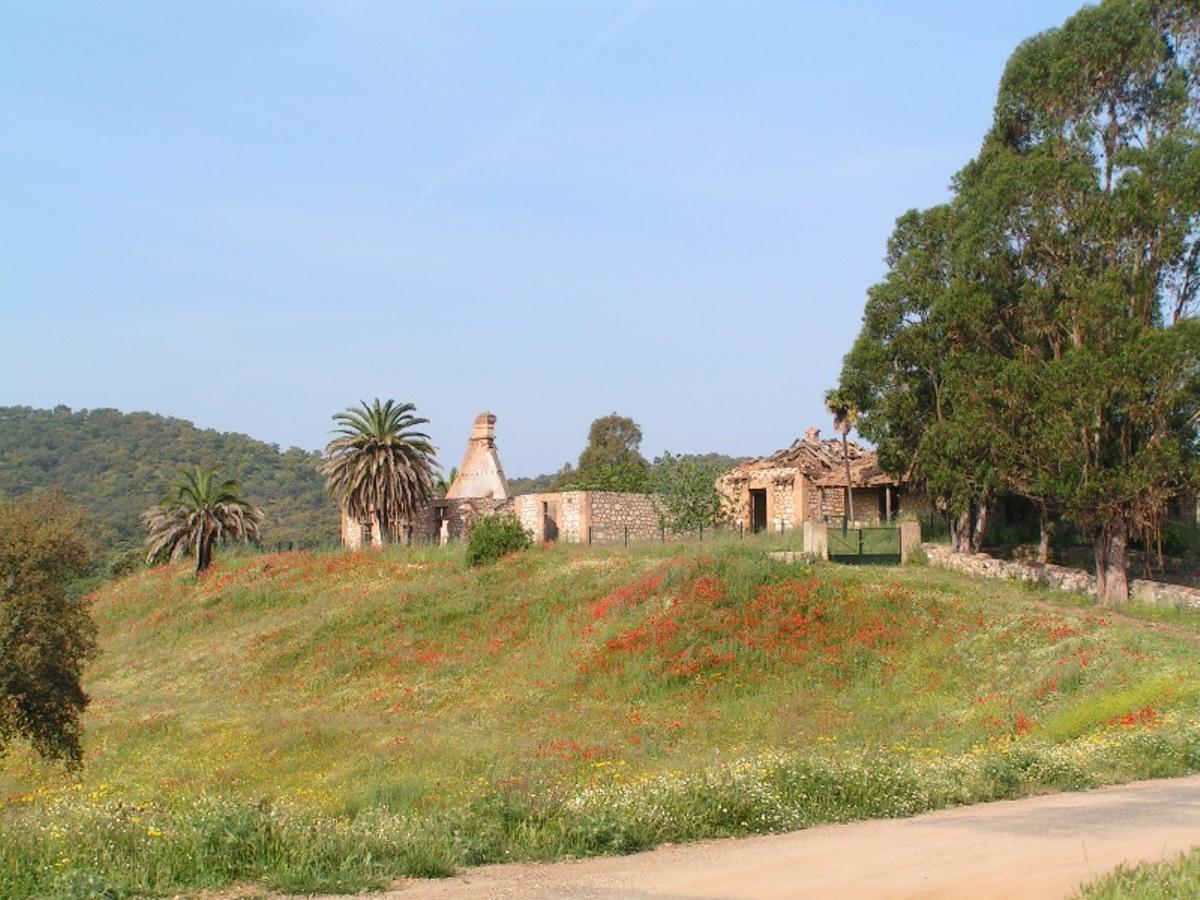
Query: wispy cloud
[[609, 33]]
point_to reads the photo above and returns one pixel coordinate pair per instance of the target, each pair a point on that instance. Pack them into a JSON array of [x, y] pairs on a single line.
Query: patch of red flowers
[[701, 627], [634, 593], [568, 750], [1144, 716]]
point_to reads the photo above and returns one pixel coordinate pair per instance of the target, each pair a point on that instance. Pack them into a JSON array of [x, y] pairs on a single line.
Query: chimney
[[812, 436], [484, 429], [480, 474]]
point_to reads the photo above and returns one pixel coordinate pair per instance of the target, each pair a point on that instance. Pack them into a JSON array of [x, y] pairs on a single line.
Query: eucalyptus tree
[[1088, 189], [910, 379], [379, 467], [1037, 335], [196, 513]]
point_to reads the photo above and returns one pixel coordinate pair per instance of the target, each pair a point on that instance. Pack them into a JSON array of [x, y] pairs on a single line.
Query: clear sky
[[252, 214]]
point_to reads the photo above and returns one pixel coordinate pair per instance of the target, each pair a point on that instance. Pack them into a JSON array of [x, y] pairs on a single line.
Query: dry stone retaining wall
[[1058, 577]]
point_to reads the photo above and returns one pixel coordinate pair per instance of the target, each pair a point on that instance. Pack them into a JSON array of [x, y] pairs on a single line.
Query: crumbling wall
[[1059, 577]]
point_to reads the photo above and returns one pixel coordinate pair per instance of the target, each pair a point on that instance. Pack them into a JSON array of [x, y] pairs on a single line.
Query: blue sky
[[253, 214]]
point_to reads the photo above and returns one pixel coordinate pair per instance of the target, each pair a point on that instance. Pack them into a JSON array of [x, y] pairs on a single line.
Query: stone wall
[[783, 507], [352, 534], [572, 516], [833, 502], [612, 513], [1058, 577], [866, 503], [528, 510]]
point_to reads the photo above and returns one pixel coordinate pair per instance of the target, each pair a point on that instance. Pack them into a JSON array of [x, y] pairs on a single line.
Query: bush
[[127, 562], [1181, 539], [493, 537]]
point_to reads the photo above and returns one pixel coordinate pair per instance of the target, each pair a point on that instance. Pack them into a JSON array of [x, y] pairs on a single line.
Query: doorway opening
[[758, 510]]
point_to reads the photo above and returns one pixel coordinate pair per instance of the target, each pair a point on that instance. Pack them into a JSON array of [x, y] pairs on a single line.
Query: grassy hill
[[117, 464], [331, 721]]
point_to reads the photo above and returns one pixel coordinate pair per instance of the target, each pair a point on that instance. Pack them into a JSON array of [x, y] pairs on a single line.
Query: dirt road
[[1038, 847]]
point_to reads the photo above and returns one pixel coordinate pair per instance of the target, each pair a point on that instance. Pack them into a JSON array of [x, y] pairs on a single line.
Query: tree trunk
[[1044, 528], [961, 536], [204, 550], [849, 487], [381, 530], [1112, 544], [981, 524]]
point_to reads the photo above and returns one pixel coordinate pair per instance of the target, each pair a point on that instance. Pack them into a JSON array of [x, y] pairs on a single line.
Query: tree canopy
[[611, 461], [685, 492], [46, 634], [1036, 335]]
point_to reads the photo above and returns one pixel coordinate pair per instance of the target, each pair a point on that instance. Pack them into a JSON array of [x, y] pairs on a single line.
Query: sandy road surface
[[1038, 847]]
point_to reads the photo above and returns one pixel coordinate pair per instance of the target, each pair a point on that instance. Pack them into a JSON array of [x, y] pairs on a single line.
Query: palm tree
[[845, 414], [442, 483], [379, 467], [195, 513]]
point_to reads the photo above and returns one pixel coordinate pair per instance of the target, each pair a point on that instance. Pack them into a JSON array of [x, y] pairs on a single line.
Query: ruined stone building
[[480, 489], [480, 474], [807, 481]]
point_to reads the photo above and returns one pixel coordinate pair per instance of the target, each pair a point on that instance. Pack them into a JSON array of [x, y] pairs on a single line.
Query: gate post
[[910, 539], [816, 539]]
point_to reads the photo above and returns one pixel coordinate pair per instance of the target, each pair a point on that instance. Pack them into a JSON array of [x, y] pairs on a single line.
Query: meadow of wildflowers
[[333, 721]]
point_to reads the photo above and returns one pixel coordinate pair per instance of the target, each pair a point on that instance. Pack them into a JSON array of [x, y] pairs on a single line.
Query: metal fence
[[873, 545]]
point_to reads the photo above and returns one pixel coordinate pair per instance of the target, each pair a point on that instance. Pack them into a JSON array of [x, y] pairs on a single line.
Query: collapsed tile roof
[[822, 461]]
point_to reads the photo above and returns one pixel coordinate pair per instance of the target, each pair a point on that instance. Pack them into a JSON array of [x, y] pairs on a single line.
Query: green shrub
[[127, 562], [1181, 539], [493, 537]]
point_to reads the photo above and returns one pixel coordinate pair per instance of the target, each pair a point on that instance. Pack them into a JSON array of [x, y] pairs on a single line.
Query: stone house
[[807, 482], [481, 489]]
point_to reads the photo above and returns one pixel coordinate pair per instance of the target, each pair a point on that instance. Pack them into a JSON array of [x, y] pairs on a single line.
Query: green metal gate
[[865, 546]]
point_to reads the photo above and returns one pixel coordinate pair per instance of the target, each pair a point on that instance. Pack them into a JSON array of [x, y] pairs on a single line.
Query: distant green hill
[[116, 464]]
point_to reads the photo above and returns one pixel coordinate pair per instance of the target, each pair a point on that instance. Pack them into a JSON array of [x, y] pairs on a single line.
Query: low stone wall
[[1059, 577], [1160, 592]]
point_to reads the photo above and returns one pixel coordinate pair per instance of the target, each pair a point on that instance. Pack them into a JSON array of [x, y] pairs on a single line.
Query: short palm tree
[[379, 467], [845, 414], [197, 511], [442, 483]]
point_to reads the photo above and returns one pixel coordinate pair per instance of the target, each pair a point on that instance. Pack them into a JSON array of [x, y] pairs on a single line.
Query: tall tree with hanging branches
[[379, 467], [198, 511], [1040, 337]]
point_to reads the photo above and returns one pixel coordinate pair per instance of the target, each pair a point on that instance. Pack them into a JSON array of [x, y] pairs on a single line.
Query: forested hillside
[[116, 464]]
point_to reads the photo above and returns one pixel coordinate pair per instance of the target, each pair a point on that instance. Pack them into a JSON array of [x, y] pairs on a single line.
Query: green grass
[[314, 722], [1153, 881]]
